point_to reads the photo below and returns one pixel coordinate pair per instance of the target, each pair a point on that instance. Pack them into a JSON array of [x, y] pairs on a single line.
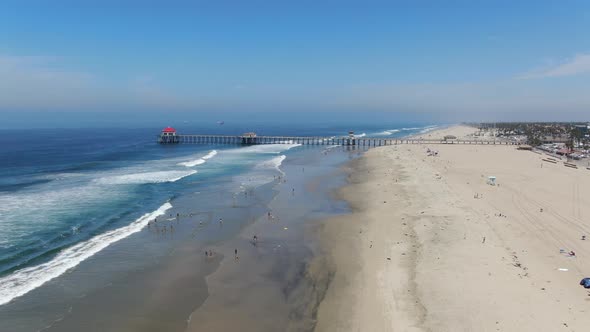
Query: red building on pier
[[168, 135]]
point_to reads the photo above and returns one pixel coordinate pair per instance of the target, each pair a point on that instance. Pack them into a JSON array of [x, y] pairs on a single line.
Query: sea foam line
[[387, 132], [424, 128], [273, 163], [199, 161], [146, 177], [210, 155], [427, 129], [25, 280], [264, 148]]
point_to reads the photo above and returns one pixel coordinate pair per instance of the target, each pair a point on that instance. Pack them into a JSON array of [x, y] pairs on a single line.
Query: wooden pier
[[308, 140]]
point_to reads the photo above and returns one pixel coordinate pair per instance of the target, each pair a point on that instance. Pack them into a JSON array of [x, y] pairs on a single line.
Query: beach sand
[[421, 253]]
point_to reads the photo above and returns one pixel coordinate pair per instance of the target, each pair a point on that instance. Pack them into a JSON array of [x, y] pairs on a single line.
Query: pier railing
[[309, 140]]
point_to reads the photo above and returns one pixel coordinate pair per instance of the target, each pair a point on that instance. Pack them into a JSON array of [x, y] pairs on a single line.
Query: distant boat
[[220, 123]]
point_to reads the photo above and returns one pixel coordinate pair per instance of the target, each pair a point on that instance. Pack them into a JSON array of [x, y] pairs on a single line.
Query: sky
[[107, 62]]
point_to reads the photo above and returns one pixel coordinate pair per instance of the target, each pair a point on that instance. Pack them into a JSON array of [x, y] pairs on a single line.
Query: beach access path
[[430, 246]]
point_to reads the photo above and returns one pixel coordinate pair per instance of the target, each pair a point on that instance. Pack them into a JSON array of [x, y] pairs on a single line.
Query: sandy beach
[[430, 246]]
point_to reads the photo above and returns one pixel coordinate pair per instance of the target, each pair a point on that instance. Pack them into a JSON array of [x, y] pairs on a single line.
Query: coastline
[[154, 281], [420, 252]]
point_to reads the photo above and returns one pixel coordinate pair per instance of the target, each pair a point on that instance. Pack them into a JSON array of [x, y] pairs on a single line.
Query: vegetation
[[538, 132]]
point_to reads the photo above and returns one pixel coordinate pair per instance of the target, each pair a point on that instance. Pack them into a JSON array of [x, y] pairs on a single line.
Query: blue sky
[[459, 60]]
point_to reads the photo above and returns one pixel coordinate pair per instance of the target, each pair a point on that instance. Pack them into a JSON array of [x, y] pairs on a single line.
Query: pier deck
[[305, 140]]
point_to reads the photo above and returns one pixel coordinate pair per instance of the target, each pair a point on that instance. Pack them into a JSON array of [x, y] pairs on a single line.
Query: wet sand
[[278, 281], [431, 247]]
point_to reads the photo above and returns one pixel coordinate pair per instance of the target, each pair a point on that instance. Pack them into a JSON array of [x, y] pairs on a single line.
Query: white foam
[[199, 161], [193, 162], [360, 135], [387, 132], [210, 155], [423, 128], [146, 177], [264, 148], [427, 129], [25, 280], [273, 163]]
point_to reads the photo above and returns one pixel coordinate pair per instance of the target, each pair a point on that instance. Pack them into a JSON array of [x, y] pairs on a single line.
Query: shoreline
[[276, 281], [135, 281], [425, 249], [164, 276]]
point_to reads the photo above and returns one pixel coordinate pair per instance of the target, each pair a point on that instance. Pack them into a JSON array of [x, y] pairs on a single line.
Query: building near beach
[[168, 135], [583, 129], [554, 139]]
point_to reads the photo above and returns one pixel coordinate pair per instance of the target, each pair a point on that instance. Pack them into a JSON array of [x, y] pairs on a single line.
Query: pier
[[315, 140]]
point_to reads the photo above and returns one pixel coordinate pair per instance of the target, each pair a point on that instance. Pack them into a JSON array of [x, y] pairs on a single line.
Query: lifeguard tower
[[168, 136], [491, 180]]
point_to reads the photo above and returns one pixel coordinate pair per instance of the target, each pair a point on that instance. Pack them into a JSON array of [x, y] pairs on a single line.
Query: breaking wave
[[25, 280], [199, 161], [273, 163], [264, 148], [387, 132], [146, 177], [427, 129]]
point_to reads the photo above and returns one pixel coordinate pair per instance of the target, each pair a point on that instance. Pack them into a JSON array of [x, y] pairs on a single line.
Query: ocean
[[77, 208]]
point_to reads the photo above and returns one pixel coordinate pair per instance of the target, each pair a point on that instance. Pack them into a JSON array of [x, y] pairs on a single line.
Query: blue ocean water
[[67, 194]]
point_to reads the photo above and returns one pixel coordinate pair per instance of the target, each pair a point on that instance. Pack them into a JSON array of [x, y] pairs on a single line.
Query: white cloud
[[579, 64]]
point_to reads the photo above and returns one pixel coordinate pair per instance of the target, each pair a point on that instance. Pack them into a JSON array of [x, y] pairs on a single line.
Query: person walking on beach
[[236, 254]]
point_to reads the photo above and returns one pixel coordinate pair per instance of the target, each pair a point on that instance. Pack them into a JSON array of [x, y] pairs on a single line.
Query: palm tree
[[574, 135]]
